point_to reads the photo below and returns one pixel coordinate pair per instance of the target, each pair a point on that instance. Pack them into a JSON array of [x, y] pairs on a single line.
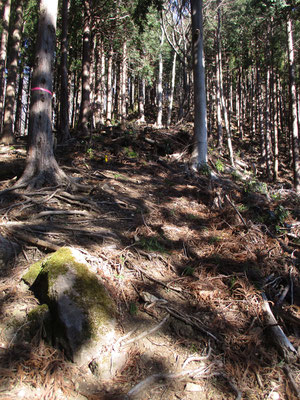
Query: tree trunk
[[170, 109], [64, 93], [142, 90], [219, 115], [41, 166], [200, 125], [17, 127], [124, 83], [99, 92], [160, 83], [109, 87], [3, 52], [295, 136], [85, 106], [7, 136], [275, 124], [268, 143]]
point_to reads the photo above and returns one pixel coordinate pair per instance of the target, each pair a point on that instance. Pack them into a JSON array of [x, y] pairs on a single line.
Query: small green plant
[[253, 185], [130, 153], [220, 166], [188, 271], [152, 244], [192, 217], [242, 207], [214, 239], [281, 214], [133, 308], [193, 348], [276, 196], [204, 169], [90, 153]]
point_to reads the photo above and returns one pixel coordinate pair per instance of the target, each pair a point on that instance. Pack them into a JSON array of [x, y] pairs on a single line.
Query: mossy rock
[[83, 314], [39, 318]]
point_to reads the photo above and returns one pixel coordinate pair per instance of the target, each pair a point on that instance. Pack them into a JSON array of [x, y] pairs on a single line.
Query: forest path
[[180, 253]]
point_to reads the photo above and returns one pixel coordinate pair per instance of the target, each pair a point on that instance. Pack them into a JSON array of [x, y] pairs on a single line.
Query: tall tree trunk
[[295, 134], [109, 87], [41, 166], [64, 92], [200, 124], [160, 82], [17, 127], [142, 90], [7, 136], [124, 83], [85, 106], [222, 98], [275, 124], [170, 108], [268, 143], [3, 53], [218, 95], [99, 88]]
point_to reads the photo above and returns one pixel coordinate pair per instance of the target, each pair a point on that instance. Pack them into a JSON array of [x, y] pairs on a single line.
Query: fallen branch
[[157, 377], [236, 210], [146, 333], [283, 344], [26, 237], [292, 381]]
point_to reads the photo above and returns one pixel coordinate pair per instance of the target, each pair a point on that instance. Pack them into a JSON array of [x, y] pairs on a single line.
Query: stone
[[83, 314]]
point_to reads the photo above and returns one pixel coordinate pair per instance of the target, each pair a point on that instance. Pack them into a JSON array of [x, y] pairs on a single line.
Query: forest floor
[[186, 258]]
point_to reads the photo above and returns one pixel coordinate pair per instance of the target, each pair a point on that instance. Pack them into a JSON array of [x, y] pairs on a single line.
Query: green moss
[[87, 292], [32, 273], [93, 298], [38, 313], [57, 263]]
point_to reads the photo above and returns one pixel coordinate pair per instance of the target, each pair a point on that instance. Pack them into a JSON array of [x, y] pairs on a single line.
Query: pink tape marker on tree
[[42, 89]]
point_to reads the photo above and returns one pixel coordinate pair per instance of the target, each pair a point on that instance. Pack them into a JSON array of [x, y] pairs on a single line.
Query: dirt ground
[[186, 257]]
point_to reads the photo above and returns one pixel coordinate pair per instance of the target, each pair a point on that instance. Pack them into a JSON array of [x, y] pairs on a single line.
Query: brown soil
[[208, 247]]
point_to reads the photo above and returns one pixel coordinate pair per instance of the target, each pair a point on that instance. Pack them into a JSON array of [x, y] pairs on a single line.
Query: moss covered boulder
[[82, 312]]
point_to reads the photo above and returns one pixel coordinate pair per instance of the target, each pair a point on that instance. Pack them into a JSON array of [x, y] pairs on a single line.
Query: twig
[[292, 381], [156, 377], [284, 345], [236, 210], [191, 359], [146, 333]]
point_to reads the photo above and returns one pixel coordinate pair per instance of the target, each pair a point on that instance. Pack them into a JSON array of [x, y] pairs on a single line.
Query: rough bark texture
[[295, 142], [85, 107], [41, 165], [64, 93], [3, 51], [160, 83], [109, 87], [7, 136], [200, 124]]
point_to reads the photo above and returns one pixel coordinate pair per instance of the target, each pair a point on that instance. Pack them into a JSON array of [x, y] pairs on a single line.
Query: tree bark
[[64, 92], [200, 124], [293, 97], [124, 84], [7, 136], [109, 87], [85, 106], [41, 166], [170, 108], [160, 83], [3, 52], [17, 127]]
